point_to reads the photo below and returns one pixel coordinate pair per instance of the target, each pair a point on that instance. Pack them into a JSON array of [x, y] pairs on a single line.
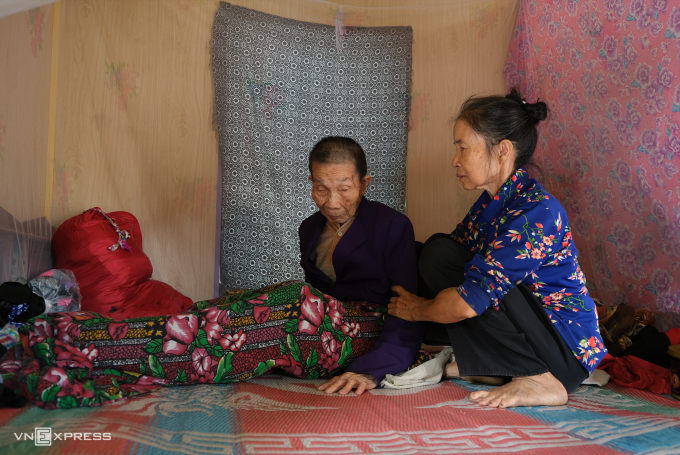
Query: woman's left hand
[[406, 306], [344, 383]]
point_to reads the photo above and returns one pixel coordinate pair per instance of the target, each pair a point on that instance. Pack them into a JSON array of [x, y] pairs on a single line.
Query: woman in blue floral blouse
[[505, 289]]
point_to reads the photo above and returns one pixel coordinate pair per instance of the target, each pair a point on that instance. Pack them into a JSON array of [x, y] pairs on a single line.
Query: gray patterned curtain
[[280, 86]]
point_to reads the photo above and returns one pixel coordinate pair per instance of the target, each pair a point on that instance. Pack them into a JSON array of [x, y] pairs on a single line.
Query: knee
[[435, 255]]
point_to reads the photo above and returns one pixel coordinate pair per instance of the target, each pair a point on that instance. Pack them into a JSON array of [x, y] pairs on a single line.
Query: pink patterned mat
[[279, 415]]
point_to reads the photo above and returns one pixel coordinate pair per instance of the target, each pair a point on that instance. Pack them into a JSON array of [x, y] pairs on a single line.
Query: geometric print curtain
[[281, 85]]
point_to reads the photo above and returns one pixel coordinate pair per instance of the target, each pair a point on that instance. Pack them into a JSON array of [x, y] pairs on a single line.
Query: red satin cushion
[[116, 283]]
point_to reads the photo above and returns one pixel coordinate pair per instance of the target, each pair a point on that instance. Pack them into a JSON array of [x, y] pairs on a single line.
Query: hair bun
[[537, 111]]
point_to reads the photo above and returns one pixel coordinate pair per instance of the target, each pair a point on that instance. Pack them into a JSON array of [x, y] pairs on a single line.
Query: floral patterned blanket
[[81, 359]]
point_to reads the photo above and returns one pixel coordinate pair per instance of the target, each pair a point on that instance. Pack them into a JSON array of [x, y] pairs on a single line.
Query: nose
[[456, 161], [333, 201]]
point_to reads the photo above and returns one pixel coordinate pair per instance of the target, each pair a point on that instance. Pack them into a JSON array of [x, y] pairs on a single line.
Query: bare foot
[[540, 390], [452, 372]]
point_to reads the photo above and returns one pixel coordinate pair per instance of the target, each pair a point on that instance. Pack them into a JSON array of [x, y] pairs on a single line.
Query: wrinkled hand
[[348, 381], [406, 305]]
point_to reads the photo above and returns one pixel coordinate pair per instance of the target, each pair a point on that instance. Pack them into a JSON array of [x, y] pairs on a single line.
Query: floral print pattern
[[610, 73], [122, 81], [522, 235], [79, 359], [35, 21]]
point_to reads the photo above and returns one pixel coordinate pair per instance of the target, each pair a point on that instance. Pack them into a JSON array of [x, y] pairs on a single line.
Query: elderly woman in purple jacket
[[356, 249]]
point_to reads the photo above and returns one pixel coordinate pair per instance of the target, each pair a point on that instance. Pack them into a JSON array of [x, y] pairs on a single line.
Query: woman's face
[[475, 167], [337, 190]]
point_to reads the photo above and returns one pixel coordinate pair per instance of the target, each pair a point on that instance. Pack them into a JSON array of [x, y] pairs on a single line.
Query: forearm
[[446, 308]]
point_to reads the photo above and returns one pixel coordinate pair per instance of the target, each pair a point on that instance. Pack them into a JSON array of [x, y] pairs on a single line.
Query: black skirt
[[516, 340]]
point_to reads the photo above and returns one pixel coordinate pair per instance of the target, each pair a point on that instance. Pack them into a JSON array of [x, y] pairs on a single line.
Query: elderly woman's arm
[[399, 343], [446, 308], [392, 353]]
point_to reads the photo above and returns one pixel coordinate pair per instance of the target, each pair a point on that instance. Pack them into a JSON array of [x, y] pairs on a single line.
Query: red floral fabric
[[81, 359], [609, 71]]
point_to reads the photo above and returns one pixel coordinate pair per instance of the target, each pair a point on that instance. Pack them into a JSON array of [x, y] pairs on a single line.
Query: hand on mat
[[406, 305], [344, 383]]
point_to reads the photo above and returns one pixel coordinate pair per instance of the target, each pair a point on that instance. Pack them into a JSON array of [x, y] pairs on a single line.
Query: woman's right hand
[[405, 306], [446, 308]]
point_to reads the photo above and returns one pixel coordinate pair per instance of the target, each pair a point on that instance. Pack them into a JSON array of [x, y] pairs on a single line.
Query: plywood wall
[[134, 130], [25, 61], [134, 112]]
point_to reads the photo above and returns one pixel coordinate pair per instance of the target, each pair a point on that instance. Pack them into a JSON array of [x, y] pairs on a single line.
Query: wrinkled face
[[337, 190], [475, 167]]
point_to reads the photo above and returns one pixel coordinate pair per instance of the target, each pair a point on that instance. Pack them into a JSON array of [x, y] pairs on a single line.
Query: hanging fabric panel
[[280, 86], [609, 71]]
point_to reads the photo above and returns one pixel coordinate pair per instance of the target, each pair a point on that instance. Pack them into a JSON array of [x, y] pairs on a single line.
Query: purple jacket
[[377, 252]]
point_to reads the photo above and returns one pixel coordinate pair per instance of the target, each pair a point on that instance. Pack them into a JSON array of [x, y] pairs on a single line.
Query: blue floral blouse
[[522, 235]]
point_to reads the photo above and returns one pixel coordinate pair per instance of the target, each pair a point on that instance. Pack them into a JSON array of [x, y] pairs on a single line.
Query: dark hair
[[496, 118], [338, 150]]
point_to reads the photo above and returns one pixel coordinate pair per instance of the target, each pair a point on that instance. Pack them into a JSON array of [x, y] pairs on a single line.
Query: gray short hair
[[339, 150]]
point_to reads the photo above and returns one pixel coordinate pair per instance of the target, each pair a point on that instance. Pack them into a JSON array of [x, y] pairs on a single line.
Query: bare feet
[[453, 373], [540, 390]]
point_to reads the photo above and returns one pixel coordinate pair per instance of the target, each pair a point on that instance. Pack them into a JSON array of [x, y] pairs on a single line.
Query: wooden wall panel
[[25, 59], [458, 53], [135, 104], [134, 129]]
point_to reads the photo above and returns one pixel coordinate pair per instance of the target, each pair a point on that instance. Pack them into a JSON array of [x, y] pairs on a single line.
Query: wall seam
[[52, 122]]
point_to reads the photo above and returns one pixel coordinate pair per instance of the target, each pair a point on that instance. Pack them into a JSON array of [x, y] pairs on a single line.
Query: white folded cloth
[[428, 373], [599, 378]]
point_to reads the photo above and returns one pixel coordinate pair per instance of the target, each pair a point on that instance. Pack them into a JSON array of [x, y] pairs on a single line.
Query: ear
[[364, 183], [506, 151], [311, 179]]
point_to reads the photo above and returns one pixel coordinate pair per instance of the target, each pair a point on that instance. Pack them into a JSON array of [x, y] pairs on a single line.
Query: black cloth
[[9, 399], [650, 345], [516, 340], [11, 294], [377, 252]]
